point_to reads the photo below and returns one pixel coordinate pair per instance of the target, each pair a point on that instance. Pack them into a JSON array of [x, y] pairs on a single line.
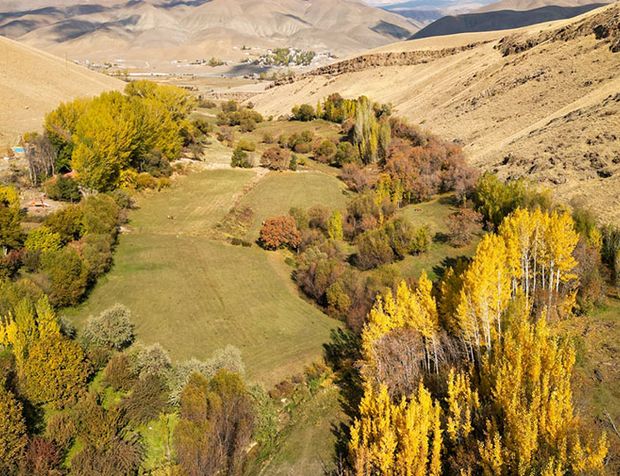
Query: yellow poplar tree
[[484, 295], [397, 439], [527, 377]]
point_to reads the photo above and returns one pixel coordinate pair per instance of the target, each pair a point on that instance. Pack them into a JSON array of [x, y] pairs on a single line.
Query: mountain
[[493, 20], [33, 83], [427, 11], [521, 5], [180, 29], [542, 102]]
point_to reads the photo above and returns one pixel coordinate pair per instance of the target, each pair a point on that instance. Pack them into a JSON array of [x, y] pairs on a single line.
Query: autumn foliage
[[280, 232]]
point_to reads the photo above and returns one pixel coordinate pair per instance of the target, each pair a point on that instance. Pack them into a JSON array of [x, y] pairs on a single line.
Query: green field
[[433, 214], [307, 445], [278, 192], [194, 294]]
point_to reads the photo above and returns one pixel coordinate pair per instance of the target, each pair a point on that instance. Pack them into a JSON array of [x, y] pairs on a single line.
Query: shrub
[[300, 216], [119, 373], [151, 360], [401, 236], [276, 158], [304, 113], [43, 239], [373, 250], [280, 232], [463, 226], [61, 430], [421, 241], [346, 153], [63, 189], [55, 372], [96, 251], [325, 152], [67, 276], [247, 145], [67, 222], [358, 179], [230, 106], [318, 217], [112, 329], [221, 411], [293, 165], [42, 458], [13, 436], [268, 138], [241, 159], [146, 400], [100, 215]]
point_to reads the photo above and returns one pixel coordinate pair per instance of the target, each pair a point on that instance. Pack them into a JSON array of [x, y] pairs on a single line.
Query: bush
[[276, 158], [55, 372], [67, 222], [304, 113], [221, 412], [280, 232], [325, 152], [463, 226], [151, 360], [112, 329], [373, 250], [96, 251], [61, 430], [119, 373], [67, 277], [241, 159], [101, 215], [268, 138], [63, 189], [358, 179], [43, 239], [346, 153], [247, 145], [147, 400]]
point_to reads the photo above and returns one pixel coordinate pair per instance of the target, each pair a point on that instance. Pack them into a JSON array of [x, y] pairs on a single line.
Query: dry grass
[[550, 113], [32, 83]]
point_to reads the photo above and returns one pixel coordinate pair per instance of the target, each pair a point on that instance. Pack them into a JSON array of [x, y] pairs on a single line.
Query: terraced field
[[195, 294]]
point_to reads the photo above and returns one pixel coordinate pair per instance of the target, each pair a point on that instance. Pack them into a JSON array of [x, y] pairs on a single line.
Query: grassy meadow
[[194, 294]]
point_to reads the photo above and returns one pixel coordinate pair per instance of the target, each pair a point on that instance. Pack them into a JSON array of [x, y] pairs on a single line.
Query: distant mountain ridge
[[494, 20], [200, 28]]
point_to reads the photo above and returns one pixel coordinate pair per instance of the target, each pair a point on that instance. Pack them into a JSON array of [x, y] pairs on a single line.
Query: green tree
[[107, 138], [13, 437], [366, 131], [334, 226], [10, 219], [43, 239], [217, 419], [55, 371]]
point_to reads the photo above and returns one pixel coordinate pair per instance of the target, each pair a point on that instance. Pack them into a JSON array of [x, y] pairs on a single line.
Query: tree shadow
[[342, 354], [450, 262]]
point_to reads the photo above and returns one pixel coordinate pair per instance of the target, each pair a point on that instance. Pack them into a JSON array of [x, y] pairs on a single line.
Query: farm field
[[278, 192], [194, 294]]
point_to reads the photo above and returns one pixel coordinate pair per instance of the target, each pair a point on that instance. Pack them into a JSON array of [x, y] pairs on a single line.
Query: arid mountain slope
[[521, 5], [501, 19], [541, 102], [33, 82], [171, 29]]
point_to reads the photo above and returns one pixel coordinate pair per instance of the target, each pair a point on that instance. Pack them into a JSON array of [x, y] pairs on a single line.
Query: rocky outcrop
[[379, 60]]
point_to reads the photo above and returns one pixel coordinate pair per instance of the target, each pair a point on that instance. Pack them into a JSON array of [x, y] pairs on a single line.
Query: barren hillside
[[165, 30], [541, 102], [33, 83]]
